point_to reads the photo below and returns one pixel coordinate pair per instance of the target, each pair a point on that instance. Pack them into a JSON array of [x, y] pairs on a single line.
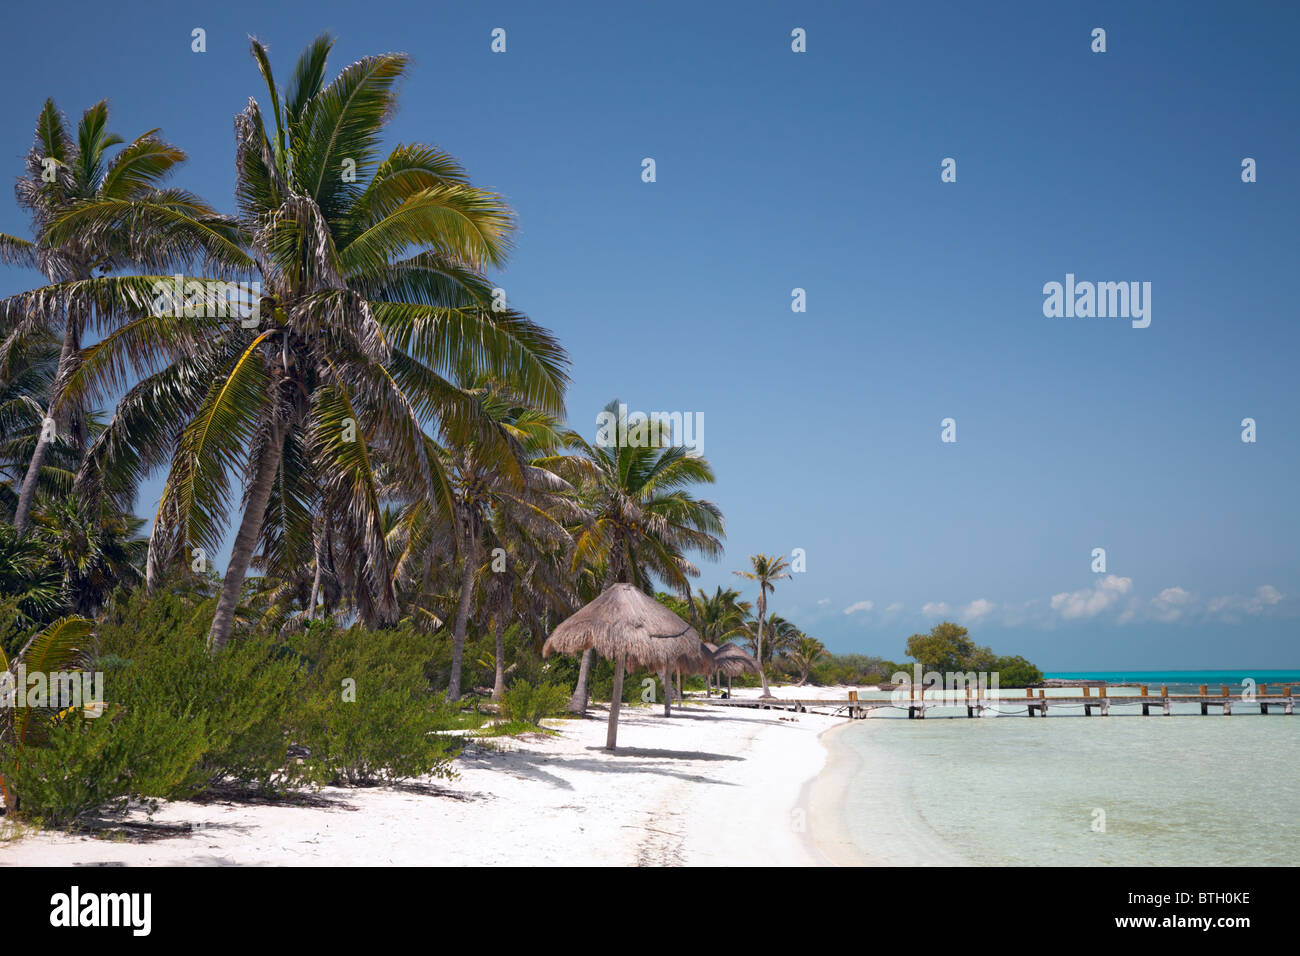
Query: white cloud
[[977, 609], [1265, 596], [1090, 602], [936, 609], [1268, 595], [823, 602], [859, 606], [894, 608], [1171, 603]]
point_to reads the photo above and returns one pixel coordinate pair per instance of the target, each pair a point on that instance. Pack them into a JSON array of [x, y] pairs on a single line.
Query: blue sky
[[821, 171]]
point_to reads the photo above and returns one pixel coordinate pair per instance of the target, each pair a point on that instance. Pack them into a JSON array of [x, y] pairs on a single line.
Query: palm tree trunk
[[315, 581], [578, 702], [27, 494], [668, 693], [762, 610], [462, 618], [245, 541], [499, 684]]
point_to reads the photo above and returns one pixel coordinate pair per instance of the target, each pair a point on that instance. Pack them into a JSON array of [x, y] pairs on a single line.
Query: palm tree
[[502, 489], [779, 637], [718, 617], [370, 290], [26, 382], [95, 547], [642, 519], [151, 226], [766, 570], [31, 588], [805, 655]]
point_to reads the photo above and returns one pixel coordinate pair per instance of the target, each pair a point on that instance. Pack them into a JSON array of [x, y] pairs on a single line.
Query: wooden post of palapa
[[615, 699]]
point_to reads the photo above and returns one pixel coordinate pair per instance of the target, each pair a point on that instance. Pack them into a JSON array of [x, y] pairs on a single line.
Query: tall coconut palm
[[765, 570], [643, 520], [370, 290], [154, 227]]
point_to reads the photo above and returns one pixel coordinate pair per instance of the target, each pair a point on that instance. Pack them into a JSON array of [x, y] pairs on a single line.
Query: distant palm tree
[[766, 571], [151, 226], [779, 637], [502, 489], [94, 546], [370, 291], [805, 654], [30, 583], [642, 519], [718, 617]]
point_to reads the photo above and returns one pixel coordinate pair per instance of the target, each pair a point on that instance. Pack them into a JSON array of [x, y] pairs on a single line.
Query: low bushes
[[528, 704], [328, 706], [85, 766], [368, 714]]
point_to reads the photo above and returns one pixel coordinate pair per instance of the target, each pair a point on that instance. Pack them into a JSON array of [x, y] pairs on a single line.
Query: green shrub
[[153, 652], [524, 702], [89, 766], [249, 696], [600, 682], [369, 715]]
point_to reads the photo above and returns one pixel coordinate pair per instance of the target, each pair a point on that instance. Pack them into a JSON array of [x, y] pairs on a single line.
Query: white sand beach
[[708, 786]]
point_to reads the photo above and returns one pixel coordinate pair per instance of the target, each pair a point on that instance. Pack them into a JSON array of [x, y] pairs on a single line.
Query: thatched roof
[[705, 663], [626, 622], [733, 660]]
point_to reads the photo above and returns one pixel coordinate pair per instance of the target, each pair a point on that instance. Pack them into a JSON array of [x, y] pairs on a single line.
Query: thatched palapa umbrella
[[703, 666], [733, 661], [633, 630]]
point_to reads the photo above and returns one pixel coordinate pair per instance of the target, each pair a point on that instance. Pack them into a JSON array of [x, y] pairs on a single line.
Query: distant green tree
[[948, 647], [1016, 672]]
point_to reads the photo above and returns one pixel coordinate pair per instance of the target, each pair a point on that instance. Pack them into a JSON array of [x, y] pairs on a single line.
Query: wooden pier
[[977, 704]]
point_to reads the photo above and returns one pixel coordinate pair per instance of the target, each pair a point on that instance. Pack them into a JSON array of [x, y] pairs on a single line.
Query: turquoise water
[[1185, 681], [1121, 790]]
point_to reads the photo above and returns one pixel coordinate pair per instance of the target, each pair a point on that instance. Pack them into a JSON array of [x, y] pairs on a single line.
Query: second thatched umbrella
[[733, 661], [703, 666], [633, 630]]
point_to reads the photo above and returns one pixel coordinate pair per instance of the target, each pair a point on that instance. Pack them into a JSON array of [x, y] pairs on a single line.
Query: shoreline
[[904, 839], [823, 795]]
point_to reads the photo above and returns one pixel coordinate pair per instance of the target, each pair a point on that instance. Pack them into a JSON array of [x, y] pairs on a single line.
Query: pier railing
[[978, 703]]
